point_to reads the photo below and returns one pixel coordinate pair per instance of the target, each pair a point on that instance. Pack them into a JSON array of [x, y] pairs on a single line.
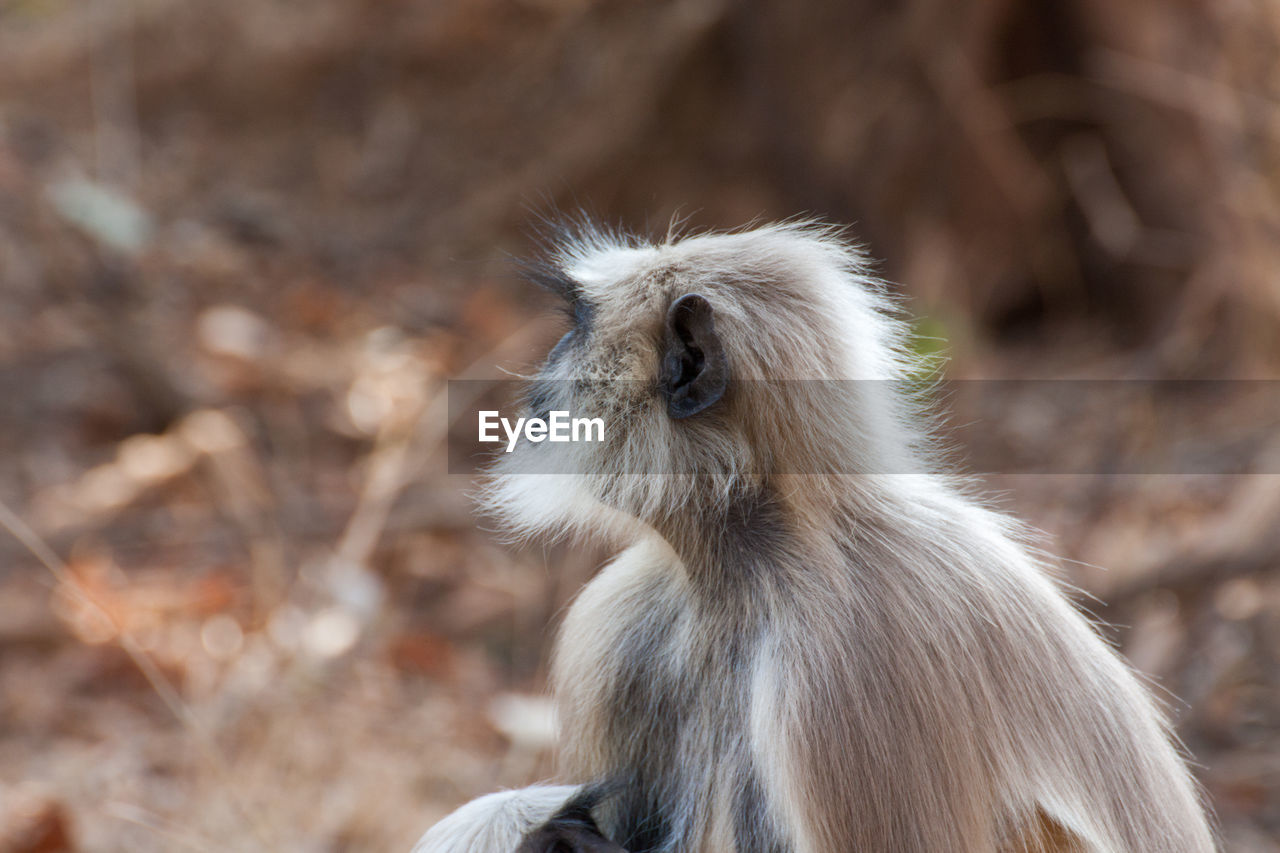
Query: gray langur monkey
[[811, 640]]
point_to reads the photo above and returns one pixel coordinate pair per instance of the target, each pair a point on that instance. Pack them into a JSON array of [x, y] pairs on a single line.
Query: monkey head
[[717, 363]]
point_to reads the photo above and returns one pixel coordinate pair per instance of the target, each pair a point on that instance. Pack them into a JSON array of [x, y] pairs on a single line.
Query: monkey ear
[[693, 374]]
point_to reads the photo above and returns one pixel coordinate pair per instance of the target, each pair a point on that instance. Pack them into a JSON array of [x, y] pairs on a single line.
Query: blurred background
[[244, 243]]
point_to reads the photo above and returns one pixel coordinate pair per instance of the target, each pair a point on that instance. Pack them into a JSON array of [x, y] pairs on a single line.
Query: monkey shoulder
[[628, 614], [640, 580]]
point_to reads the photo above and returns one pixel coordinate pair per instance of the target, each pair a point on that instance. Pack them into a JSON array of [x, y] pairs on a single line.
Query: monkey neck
[[734, 546]]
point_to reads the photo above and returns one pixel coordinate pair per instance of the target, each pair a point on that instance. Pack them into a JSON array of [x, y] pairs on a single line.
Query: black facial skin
[[540, 402], [581, 313]]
